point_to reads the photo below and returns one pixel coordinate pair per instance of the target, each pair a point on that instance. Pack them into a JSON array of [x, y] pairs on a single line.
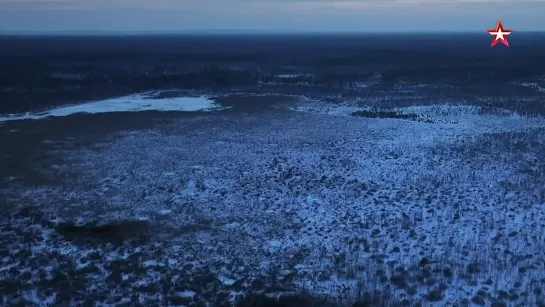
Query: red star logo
[[500, 34]]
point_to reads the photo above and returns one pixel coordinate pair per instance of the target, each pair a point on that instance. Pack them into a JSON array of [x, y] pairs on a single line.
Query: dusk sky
[[270, 15]]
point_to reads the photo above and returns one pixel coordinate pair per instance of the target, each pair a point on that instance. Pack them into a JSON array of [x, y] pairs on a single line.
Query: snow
[[151, 263], [275, 243], [187, 293], [131, 103], [165, 211], [326, 197], [289, 76], [533, 85], [190, 189], [360, 84], [226, 281]]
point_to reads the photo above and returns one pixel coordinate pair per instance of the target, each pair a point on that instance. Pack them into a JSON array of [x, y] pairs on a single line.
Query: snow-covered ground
[[132, 103], [289, 76], [532, 85], [445, 212]]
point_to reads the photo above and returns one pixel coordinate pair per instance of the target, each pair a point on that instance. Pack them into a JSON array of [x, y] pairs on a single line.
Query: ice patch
[[275, 243], [313, 199], [360, 84], [150, 263], [164, 211], [187, 293], [533, 85], [232, 226], [226, 281], [289, 76], [131, 103], [190, 189]]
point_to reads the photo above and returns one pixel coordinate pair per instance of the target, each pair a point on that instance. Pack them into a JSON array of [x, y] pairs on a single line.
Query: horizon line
[[231, 31]]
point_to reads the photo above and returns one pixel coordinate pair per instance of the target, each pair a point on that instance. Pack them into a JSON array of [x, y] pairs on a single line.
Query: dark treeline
[[36, 72]]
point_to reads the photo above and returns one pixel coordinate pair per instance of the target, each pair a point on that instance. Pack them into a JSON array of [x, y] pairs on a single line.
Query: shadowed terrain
[[340, 171]]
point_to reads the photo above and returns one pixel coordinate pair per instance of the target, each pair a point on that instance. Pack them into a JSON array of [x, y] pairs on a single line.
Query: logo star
[[500, 34]]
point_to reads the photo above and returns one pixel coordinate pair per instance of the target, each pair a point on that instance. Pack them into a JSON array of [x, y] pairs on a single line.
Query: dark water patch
[[390, 114], [117, 231], [298, 300]]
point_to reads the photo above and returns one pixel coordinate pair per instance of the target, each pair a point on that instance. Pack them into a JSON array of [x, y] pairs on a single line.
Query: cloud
[[298, 15], [215, 4], [88, 4]]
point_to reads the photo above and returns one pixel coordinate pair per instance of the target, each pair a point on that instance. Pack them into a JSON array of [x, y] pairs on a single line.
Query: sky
[[269, 15]]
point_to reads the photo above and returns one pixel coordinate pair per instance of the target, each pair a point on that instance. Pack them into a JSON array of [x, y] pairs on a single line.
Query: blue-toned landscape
[[272, 170]]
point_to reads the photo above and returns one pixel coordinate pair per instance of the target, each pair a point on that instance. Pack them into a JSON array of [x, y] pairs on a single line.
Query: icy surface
[[288, 76], [132, 103], [336, 205]]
